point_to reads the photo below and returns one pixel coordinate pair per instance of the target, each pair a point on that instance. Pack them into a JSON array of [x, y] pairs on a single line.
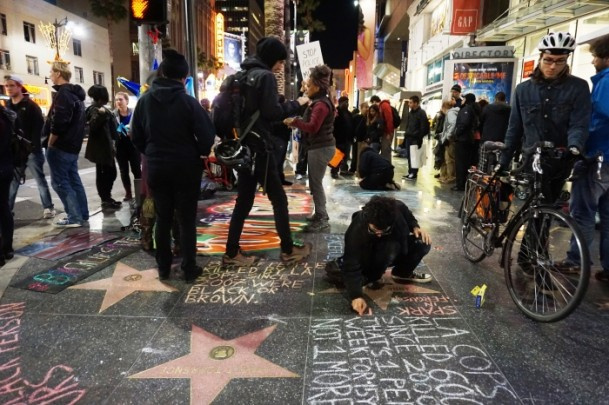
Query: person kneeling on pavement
[[384, 233], [376, 171]]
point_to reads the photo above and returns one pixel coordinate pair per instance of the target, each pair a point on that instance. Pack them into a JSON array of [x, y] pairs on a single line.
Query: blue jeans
[[589, 195], [35, 163], [66, 183]]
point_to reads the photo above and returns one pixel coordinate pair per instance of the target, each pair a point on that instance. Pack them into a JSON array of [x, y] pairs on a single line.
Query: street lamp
[[57, 36]]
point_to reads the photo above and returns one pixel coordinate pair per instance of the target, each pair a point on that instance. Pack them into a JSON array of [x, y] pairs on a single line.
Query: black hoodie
[[170, 127], [261, 94], [66, 118]]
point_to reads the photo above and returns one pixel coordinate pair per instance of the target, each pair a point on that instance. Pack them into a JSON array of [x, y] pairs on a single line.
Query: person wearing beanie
[[171, 129], [261, 95], [32, 121], [467, 122], [455, 92], [317, 126]]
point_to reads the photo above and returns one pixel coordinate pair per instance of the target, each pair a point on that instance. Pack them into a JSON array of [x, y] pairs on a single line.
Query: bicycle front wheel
[[474, 231], [540, 284]]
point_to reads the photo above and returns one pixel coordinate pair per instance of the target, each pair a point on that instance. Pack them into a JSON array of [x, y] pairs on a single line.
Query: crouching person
[[376, 171], [383, 234]]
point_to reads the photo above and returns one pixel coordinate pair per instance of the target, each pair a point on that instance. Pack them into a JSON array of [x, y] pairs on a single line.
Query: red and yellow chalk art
[[258, 234], [298, 203]]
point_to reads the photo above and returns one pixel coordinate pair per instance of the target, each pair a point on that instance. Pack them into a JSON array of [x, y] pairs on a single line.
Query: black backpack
[[397, 120], [21, 147]]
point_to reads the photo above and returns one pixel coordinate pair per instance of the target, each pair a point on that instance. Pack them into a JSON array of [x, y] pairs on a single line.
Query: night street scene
[[321, 202]]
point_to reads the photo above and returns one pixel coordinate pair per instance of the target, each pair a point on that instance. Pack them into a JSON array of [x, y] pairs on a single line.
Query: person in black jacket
[[495, 119], [8, 120], [383, 234], [281, 134], [376, 171], [359, 130], [261, 94], [171, 129], [101, 148], [417, 127], [31, 121], [343, 134], [467, 122], [64, 132]]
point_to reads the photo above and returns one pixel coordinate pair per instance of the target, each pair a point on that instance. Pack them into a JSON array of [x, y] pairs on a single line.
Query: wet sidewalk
[[276, 334]]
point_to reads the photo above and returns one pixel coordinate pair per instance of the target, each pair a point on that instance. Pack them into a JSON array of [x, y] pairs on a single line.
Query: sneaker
[[602, 276], [287, 183], [48, 213], [65, 223], [335, 176], [410, 176], [298, 253], [567, 267], [436, 176], [317, 226], [241, 260], [128, 197], [299, 176], [315, 217], [415, 277], [111, 204], [193, 275], [392, 186], [375, 285]]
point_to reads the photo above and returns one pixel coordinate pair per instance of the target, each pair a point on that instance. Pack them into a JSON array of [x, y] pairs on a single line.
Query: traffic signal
[[148, 11]]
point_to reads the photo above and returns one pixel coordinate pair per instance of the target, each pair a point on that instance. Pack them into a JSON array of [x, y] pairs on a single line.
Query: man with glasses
[[384, 233], [552, 106]]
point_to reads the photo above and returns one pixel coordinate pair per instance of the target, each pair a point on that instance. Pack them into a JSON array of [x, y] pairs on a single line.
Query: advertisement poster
[[364, 60], [232, 51], [484, 79]]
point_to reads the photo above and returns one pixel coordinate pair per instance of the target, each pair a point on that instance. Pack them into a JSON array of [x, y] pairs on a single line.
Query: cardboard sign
[[309, 56]]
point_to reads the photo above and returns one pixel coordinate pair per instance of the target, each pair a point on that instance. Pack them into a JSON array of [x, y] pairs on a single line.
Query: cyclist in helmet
[[552, 106]]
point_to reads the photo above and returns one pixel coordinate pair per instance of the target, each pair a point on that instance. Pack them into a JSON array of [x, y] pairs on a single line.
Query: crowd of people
[[169, 132]]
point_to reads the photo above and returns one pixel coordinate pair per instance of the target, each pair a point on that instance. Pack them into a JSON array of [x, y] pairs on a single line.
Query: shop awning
[[525, 17]]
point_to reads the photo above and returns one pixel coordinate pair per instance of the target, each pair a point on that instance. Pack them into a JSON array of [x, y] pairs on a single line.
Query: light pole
[[57, 36]]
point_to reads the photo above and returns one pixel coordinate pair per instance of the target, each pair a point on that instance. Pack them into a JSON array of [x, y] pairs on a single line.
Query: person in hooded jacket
[[101, 148], [376, 172], [261, 95], [494, 119], [173, 132], [64, 132], [467, 122]]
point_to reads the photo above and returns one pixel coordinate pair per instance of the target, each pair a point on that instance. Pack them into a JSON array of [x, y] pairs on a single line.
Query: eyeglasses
[[557, 62], [372, 230]]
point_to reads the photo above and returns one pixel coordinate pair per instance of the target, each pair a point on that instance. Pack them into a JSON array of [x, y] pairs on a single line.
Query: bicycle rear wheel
[[540, 286], [474, 232]]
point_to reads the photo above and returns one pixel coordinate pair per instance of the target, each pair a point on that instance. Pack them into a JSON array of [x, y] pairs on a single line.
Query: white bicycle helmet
[[558, 43]]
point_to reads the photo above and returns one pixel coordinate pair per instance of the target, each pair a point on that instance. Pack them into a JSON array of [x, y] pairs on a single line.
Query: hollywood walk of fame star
[[382, 296], [123, 282], [213, 362]]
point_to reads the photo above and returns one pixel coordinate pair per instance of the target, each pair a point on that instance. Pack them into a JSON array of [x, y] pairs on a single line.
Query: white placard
[[309, 55]]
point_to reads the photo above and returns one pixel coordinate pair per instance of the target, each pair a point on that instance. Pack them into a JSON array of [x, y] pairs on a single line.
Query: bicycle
[[533, 240]]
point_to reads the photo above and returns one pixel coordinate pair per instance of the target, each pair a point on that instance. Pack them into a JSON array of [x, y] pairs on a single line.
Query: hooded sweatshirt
[[66, 118], [170, 127]]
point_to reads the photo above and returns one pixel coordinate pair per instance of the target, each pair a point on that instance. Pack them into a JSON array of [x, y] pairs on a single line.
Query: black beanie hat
[[456, 87], [174, 65], [270, 50]]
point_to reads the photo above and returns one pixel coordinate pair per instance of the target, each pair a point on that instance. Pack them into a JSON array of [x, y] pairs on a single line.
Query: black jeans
[[104, 180], [7, 225], [126, 156], [378, 180], [301, 166], [175, 187], [246, 191], [464, 152], [385, 254], [281, 150]]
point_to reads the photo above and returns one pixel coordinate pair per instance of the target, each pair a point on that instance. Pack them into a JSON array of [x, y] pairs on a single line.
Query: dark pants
[[464, 153], [406, 144], [354, 157], [175, 188], [385, 254], [7, 225], [246, 191], [104, 180], [301, 166], [127, 156], [281, 150], [378, 180]]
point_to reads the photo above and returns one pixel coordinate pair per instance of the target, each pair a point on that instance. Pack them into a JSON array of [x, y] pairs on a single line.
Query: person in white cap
[[31, 121]]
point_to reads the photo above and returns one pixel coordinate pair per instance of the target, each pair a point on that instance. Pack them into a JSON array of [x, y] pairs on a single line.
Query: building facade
[[243, 17], [25, 52]]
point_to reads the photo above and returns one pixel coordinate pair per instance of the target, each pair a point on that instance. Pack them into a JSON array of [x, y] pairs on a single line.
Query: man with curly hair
[[383, 234]]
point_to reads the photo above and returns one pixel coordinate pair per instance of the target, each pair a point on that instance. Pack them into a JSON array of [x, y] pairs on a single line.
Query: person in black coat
[[101, 148], [383, 234], [344, 134], [171, 129], [281, 135], [494, 119], [359, 131], [376, 171], [467, 123], [8, 121]]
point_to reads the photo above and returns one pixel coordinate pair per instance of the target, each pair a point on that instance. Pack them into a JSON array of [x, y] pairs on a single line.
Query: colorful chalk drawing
[[259, 233], [59, 384]]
